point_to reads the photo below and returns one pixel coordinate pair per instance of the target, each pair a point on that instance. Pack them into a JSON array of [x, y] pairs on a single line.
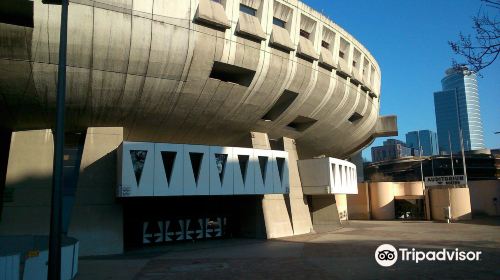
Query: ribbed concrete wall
[[145, 66]]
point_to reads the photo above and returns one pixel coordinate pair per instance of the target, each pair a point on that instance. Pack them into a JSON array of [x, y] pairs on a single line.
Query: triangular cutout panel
[[263, 167], [243, 161], [168, 163], [281, 166], [138, 159], [196, 159], [220, 161]]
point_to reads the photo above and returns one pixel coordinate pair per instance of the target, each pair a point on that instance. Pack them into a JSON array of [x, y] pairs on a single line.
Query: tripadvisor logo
[[387, 255]]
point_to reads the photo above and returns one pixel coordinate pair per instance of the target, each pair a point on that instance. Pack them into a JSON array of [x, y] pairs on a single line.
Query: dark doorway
[[166, 220], [409, 209]]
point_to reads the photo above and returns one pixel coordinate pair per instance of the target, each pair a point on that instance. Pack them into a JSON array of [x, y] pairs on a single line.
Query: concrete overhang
[[212, 13], [281, 38], [249, 26], [386, 126], [306, 49], [326, 58]]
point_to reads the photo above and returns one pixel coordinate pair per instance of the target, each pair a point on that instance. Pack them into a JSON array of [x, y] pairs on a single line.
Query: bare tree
[[484, 48]]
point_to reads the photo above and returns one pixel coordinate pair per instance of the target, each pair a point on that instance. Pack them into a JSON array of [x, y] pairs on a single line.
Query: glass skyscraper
[[428, 141], [457, 106]]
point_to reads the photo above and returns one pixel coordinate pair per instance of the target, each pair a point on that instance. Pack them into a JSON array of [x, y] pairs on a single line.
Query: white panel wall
[[137, 166], [246, 184], [180, 169], [163, 154], [191, 185], [327, 176], [263, 175], [224, 185]]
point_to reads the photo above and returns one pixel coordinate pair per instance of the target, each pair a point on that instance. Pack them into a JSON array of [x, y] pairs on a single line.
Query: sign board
[[444, 180]]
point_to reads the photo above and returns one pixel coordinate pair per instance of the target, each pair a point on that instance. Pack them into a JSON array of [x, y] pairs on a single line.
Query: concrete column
[[73, 149], [97, 219], [382, 200], [277, 216], [5, 136], [301, 218]]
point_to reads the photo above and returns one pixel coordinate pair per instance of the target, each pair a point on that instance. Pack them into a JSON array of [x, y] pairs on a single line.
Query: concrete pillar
[[301, 218], [358, 205], [97, 219], [324, 212], [5, 136], [276, 213], [382, 200], [73, 149]]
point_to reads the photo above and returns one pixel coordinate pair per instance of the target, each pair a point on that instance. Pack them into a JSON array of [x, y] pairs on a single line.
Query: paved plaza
[[347, 253]]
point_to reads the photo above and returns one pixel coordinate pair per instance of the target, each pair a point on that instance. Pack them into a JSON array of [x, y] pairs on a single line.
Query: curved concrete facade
[[457, 198], [382, 200], [150, 67]]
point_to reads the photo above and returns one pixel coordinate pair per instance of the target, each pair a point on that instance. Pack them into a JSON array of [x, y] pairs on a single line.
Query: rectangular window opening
[[341, 54], [248, 10], [304, 34], [355, 117], [301, 123], [279, 22], [325, 44], [281, 105], [342, 75], [232, 73], [16, 12]]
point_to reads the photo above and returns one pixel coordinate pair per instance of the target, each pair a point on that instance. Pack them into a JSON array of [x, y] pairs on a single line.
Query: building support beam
[[5, 137], [73, 150]]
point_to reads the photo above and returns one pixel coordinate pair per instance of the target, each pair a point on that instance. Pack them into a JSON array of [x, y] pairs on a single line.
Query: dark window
[[301, 123], [342, 75], [355, 117], [279, 22], [196, 160], [248, 10], [263, 167], [354, 63], [218, 1], [341, 54], [283, 102], [168, 163], [16, 12], [304, 34], [325, 44], [231, 73]]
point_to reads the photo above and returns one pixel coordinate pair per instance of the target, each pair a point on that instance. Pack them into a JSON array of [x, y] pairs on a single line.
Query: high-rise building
[[391, 149], [457, 106], [428, 142]]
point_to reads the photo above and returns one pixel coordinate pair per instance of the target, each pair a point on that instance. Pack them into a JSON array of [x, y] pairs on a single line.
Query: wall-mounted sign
[[444, 180]]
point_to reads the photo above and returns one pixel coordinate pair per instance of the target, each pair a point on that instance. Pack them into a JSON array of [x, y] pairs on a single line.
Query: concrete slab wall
[[285, 215], [28, 183], [96, 219], [457, 198], [358, 205], [341, 200], [382, 200], [483, 195]]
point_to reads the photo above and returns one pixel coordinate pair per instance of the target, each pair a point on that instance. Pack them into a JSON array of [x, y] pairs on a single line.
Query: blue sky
[[408, 38]]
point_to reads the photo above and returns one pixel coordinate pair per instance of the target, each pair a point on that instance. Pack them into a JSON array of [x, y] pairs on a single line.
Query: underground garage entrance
[[168, 220]]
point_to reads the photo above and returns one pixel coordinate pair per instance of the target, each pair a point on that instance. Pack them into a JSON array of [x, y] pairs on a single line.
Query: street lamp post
[[54, 266]]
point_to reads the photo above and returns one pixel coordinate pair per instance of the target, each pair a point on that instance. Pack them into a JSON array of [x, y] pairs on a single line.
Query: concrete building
[[426, 138], [457, 107], [391, 149], [185, 119]]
